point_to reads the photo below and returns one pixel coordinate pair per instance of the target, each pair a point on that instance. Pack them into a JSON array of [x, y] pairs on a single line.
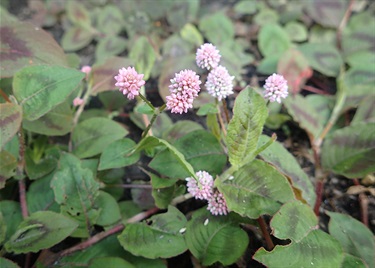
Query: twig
[[20, 171], [314, 90], [343, 23], [2, 93], [265, 233]]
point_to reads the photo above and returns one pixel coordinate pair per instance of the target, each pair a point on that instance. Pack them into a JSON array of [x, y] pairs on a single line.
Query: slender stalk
[[266, 235], [157, 111], [224, 102], [343, 23], [20, 174], [2, 93], [146, 101], [363, 203]]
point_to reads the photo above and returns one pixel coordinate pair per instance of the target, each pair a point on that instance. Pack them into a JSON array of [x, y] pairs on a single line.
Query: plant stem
[[2, 93], [265, 146], [20, 175], [224, 102], [265, 233], [146, 101], [363, 203], [129, 186], [157, 111], [343, 23]]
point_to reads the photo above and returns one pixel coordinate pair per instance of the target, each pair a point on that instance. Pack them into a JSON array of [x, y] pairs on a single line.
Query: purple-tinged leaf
[[77, 13], [110, 20], [324, 58], [327, 13], [22, 44], [76, 38], [350, 151], [102, 74], [109, 47], [365, 111], [355, 238], [10, 121]]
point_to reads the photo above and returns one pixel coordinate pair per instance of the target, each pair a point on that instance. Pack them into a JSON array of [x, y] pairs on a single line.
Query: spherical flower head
[[276, 87], [184, 88], [203, 188], [217, 204], [208, 57], [86, 69], [77, 102], [219, 83], [129, 81]]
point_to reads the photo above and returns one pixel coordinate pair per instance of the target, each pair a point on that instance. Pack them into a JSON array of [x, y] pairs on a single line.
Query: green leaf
[[181, 12], [22, 44], [10, 121], [305, 114], [78, 14], [110, 262], [164, 190], [3, 229], [266, 16], [8, 165], [118, 154], [249, 115], [293, 221], [217, 28], [351, 261], [215, 239], [38, 89], [110, 20], [36, 170], [103, 73], [324, 58], [297, 31], [76, 38], [161, 238], [273, 40], [317, 249], [200, 149], [37, 201], [245, 7], [41, 230], [5, 263], [57, 122], [110, 46], [180, 129], [287, 164], [151, 142], [191, 34], [143, 54], [76, 190], [349, 151], [365, 111], [11, 212], [355, 238], [110, 211], [327, 13], [255, 189], [93, 135]]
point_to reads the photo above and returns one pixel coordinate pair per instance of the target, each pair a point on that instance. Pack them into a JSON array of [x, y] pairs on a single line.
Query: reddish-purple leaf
[[10, 121]]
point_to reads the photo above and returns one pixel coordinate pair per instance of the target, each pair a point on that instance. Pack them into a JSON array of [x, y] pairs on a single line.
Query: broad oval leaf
[[273, 40], [249, 115], [355, 238], [293, 221], [57, 122], [38, 89], [110, 262], [143, 54], [110, 211], [255, 189], [220, 240], [110, 46], [349, 151], [118, 154], [317, 249], [93, 135], [327, 13], [8, 164], [22, 44], [161, 238], [76, 38], [281, 158], [7, 263], [200, 148], [41, 230], [324, 58], [217, 28], [10, 121], [11, 212], [78, 13]]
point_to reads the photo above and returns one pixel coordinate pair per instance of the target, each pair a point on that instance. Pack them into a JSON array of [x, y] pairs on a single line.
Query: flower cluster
[[276, 87], [184, 88], [129, 82], [219, 83], [203, 189], [208, 57]]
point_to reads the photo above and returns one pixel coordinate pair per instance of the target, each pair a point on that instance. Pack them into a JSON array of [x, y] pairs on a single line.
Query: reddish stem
[[314, 90], [266, 235], [2, 93], [363, 203], [319, 195]]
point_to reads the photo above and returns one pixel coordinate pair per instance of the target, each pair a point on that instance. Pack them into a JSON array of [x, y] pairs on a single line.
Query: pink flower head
[[208, 56], [202, 189], [77, 102], [276, 87], [86, 69], [219, 83], [129, 82], [184, 89], [217, 204]]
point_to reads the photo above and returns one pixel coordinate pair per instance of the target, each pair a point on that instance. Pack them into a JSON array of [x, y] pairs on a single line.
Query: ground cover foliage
[[90, 178]]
